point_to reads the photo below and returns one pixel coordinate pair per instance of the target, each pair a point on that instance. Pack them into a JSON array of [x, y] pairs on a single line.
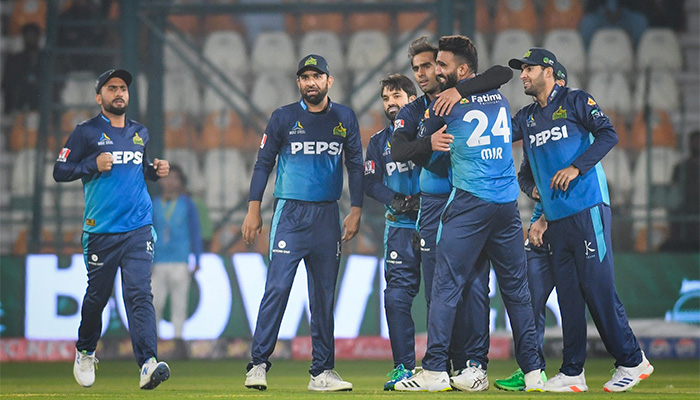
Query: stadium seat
[[367, 49], [561, 14], [326, 44], [185, 22], [619, 122], [181, 93], [187, 159], [332, 22], [177, 55], [370, 21], [227, 175], [663, 160], [227, 51], [367, 94], [516, 14], [23, 172], [659, 49], [27, 12], [662, 93], [222, 21], [662, 132], [371, 122], [401, 60], [618, 172], [274, 52], [611, 91], [79, 89], [484, 22], [24, 130], [514, 92], [610, 49], [408, 21], [510, 44], [20, 245], [273, 90], [224, 129], [214, 102], [567, 45], [482, 51], [179, 130]]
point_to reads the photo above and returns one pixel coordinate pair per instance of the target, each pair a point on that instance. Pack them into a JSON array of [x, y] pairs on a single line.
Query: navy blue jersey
[[115, 201], [309, 149], [385, 177], [570, 130], [433, 180], [481, 153]]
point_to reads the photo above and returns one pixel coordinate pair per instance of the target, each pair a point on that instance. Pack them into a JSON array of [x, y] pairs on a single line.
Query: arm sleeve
[[605, 137], [74, 162], [269, 148], [353, 162], [404, 144], [492, 78], [525, 178], [148, 170], [374, 173], [195, 230]]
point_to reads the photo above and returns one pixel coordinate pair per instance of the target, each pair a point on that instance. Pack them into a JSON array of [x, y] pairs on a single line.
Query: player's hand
[[561, 179], [162, 167], [252, 224], [351, 224], [445, 101], [104, 162], [537, 230], [440, 141], [535, 193]]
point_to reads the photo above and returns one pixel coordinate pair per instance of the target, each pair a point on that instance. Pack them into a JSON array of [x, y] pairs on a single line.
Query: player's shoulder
[[379, 134], [525, 112], [342, 111]]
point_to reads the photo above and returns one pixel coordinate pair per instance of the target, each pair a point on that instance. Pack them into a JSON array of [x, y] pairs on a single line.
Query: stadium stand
[[561, 14], [516, 14], [274, 52], [327, 44], [227, 50], [659, 49], [568, 47], [658, 89], [610, 49], [366, 49], [612, 91]]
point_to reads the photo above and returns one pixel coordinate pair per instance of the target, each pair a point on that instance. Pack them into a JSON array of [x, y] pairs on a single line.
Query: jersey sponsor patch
[[332, 148], [137, 139], [591, 102], [264, 139], [369, 167], [63, 155], [398, 123], [90, 222], [104, 140], [124, 157], [463, 101], [297, 129], [559, 114], [340, 130], [556, 133]]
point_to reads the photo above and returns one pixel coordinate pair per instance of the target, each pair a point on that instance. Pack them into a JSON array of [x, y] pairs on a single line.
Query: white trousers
[[171, 279]]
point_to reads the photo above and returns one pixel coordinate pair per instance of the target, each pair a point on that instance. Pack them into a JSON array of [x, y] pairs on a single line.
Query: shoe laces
[[619, 373], [87, 361], [331, 375], [257, 371], [397, 372]]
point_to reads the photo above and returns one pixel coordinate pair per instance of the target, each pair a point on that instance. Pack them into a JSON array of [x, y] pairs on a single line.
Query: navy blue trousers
[[470, 226], [402, 274], [540, 280], [584, 273], [308, 231], [470, 331], [133, 253]]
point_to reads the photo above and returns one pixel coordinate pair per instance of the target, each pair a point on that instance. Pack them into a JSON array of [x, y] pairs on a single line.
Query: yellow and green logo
[[559, 114], [339, 130], [311, 61], [463, 101], [527, 54], [137, 139]]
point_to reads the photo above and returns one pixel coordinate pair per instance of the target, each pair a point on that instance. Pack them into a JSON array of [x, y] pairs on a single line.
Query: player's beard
[[536, 85], [448, 81], [110, 108], [317, 98], [392, 114]]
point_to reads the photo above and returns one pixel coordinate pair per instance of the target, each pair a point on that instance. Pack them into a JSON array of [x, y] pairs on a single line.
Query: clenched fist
[[104, 162]]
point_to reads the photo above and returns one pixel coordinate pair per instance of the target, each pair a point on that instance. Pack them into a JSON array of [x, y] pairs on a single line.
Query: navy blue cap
[[313, 61], [534, 56], [112, 73], [560, 73]]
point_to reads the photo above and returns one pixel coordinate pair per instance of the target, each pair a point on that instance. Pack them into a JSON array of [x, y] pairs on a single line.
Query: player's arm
[[374, 174], [539, 227], [195, 233], [405, 146], [492, 78], [156, 169], [269, 148], [73, 161], [526, 180], [353, 163]]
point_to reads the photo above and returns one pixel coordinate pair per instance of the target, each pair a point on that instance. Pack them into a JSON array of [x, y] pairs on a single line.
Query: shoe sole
[[258, 387], [76, 379], [330, 390], [567, 389], [509, 389], [447, 389], [644, 375], [160, 375], [467, 389]]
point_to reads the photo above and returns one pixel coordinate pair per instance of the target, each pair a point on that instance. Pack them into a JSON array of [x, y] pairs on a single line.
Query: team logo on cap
[[311, 61], [547, 60], [339, 130], [527, 54], [559, 114], [137, 139]]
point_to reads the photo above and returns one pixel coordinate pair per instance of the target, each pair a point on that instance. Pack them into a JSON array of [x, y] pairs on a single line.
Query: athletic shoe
[[471, 379], [533, 381], [329, 381], [515, 382], [396, 375], [256, 378], [625, 378], [153, 373], [84, 368], [566, 383], [425, 381]]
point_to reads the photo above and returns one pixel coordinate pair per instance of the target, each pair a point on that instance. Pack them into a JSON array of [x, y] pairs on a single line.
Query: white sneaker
[[153, 373], [425, 381], [566, 383], [533, 381], [471, 379], [329, 381], [625, 378], [84, 368], [256, 378]]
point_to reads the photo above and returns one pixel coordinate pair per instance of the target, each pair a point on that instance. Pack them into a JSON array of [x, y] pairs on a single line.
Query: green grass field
[[288, 379]]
